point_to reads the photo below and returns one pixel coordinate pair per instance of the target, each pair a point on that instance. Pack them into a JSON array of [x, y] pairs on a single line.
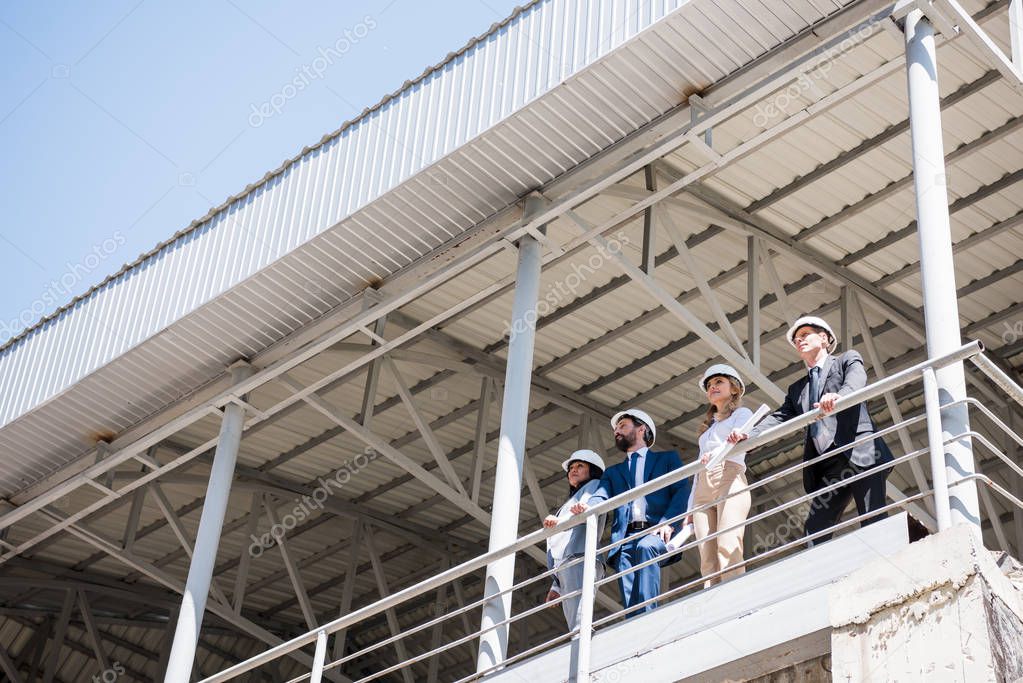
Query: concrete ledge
[[945, 560], [940, 609], [757, 623]]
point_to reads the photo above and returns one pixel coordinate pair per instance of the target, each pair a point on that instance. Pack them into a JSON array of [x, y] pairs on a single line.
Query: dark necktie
[[813, 397], [633, 458]]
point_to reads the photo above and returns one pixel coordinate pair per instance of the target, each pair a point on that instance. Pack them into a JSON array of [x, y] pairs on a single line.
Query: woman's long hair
[[730, 407], [595, 473]]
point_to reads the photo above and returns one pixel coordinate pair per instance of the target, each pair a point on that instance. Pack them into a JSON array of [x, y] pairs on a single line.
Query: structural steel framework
[[358, 454]]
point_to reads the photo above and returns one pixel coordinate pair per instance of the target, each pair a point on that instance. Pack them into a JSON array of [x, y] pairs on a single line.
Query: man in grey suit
[[829, 378]]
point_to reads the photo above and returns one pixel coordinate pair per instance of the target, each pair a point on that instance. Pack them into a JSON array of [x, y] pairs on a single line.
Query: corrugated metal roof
[[617, 345], [285, 267]]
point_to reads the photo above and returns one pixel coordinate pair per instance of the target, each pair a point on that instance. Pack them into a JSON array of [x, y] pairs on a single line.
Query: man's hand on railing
[[827, 403], [736, 436], [550, 521], [664, 531], [579, 508], [552, 595]]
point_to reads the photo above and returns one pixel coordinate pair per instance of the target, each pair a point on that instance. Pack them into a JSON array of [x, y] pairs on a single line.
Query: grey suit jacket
[[843, 374]]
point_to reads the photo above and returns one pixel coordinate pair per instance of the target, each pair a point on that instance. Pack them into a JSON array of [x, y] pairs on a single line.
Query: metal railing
[[581, 635]]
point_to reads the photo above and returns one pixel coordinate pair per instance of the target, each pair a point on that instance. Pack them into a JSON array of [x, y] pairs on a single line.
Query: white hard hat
[[722, 370], [638, 415], [584, 455], [812, 321]]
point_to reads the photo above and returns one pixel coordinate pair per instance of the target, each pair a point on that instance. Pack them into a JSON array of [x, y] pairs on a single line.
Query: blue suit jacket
[[661, 505]]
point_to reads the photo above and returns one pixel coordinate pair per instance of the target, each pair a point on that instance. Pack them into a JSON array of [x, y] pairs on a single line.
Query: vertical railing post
[[504, 521], [581, 665], [321, 654], [937, 268], [939, 477], [207, 540]]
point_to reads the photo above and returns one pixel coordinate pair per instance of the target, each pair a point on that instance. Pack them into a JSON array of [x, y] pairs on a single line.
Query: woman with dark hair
[[583, 469], [724, 389]]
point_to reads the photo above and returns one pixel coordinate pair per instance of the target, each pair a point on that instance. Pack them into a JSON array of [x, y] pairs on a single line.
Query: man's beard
[[621, 443]]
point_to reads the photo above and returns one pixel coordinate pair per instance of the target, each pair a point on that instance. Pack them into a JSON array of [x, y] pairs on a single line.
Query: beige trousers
[[725, 550]]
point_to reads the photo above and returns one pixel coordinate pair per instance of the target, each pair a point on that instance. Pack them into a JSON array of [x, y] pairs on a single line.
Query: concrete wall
[[941, 609]]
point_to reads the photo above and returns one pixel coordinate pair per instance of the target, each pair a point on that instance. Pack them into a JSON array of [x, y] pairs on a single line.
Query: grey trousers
[[571, 579]]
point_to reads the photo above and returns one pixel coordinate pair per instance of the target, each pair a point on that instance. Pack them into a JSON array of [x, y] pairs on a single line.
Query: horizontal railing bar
[[779, 475], [999, 377], [994, 418], [767, 513], [768, 553], [880, 387], [521, 655]]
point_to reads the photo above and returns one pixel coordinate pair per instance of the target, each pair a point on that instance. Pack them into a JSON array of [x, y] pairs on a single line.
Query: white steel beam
[[1016, 32], [696, 273], [58, 636], [487, 391], [682, 312], [241, 577], [166, 580], [392, 618], [535, 490], [439, 604], [94, 635], [168, 641], [349, 586], [384, 448], [754, 325], [423, 425], [174, 522], [983, 42], [289, 564]]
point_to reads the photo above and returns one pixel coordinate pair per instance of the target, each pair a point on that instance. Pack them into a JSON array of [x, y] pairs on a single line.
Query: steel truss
[[135, 467]]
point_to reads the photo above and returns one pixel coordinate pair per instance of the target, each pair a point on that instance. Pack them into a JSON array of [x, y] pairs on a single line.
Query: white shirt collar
[[640, 451], [820, 363]]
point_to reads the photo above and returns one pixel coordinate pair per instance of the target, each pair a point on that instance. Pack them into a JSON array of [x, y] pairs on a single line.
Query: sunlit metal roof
[[821, 177]]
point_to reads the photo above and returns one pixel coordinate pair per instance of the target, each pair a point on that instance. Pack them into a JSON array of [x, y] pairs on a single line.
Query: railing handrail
[[889, 383]]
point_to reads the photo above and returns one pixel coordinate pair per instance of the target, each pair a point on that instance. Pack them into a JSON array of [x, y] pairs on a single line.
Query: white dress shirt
[[638, 505], [719, 430]]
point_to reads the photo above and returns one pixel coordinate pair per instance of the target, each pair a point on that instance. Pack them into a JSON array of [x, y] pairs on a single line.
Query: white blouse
[[718, 433]]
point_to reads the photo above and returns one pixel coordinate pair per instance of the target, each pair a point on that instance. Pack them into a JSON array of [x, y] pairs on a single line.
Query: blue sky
[[121, 122]]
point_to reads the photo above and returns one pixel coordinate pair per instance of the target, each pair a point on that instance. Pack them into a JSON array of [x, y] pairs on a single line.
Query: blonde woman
[[724, 389]]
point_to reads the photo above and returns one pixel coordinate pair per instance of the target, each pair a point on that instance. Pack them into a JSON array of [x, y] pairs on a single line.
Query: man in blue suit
[[645, 517]]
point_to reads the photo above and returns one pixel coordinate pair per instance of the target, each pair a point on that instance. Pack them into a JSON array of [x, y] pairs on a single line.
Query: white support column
[[937, 270], [504, 523], [200, 570]]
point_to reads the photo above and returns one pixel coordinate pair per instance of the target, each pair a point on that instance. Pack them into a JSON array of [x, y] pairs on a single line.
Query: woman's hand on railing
[[579, 508], [550, 521], [705, 458], [735, 437]]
